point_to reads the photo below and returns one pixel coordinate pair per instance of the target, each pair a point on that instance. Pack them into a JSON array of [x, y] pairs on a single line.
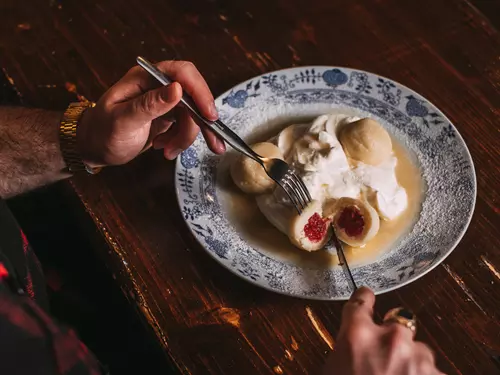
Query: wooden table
[[208, 320]]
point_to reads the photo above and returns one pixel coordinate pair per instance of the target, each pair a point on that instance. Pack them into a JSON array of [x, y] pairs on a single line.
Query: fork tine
[[292, 191], [303, 187], [297, 189], [291, 195]]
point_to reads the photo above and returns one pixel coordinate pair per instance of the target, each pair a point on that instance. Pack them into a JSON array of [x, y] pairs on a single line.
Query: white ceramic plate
[[281, 97]]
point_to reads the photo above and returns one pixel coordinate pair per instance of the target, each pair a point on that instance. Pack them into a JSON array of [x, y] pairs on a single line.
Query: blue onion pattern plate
[[289, 94]]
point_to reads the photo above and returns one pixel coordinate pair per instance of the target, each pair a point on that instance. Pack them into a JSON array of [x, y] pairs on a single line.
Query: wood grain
[[209, 321]]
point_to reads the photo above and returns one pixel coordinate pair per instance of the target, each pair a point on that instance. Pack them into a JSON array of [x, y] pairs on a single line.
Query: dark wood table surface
[[205, 318]]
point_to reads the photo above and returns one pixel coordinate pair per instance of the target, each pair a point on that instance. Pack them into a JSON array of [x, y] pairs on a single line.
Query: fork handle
[[218, 127]]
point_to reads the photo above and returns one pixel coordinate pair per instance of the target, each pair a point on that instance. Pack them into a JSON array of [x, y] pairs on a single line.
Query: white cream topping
[[391, 199], [316, 153]]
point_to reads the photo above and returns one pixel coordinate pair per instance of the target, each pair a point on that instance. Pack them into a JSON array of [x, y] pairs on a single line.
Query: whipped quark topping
[[316, 153], [390, 198]]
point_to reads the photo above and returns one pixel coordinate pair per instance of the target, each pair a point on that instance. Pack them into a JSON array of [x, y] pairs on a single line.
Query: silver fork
[[276, 169]]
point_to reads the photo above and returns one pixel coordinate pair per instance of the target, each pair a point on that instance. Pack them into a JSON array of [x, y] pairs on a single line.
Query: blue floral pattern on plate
[[439, 149]]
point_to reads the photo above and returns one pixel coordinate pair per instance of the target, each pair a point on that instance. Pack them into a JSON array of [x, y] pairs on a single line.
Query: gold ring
[[402, 316]]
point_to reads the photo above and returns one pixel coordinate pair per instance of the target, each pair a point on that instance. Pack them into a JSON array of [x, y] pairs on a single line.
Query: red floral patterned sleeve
[[31, 343]]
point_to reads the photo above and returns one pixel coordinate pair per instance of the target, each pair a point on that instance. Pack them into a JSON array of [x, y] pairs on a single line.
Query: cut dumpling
[[249, 175], [366, 141], [355, 221], [310, 231]]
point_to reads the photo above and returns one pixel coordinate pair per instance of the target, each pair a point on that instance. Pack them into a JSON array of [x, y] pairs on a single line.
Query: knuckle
[[106, 105], [399, 342], [403, 350], [358, 333], [165, 64], [133, 70], [398, 333], [148, 103], [185, 70], [186, 65], [176, 67]]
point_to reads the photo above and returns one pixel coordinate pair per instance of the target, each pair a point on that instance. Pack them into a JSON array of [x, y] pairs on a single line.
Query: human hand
[[366, 348], [135, 114]]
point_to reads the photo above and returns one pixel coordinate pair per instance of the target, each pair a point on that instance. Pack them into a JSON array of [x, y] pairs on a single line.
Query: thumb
[[152, 104]]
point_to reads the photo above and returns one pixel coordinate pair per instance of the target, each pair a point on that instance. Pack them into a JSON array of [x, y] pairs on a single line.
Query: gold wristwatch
[[67, 138]]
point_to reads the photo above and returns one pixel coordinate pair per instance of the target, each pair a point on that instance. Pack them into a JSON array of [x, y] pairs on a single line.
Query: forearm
[[131, 116], [30, 156]]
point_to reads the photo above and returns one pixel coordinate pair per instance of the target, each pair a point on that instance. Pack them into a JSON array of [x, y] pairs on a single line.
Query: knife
[[343, 261]]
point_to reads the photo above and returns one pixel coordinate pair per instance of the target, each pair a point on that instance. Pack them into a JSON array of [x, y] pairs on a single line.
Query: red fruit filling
[[351, 221], [315, 229]]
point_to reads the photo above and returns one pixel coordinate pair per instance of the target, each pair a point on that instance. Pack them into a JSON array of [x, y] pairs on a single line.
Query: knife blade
[[343, 261]]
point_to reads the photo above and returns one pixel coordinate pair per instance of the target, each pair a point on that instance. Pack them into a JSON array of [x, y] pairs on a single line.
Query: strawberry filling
[[315, 229], [351, 221]]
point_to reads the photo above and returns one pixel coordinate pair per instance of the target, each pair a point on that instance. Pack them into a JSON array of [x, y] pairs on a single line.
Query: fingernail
[[213, 111], [221, 146], [168, 92], [173, 154]]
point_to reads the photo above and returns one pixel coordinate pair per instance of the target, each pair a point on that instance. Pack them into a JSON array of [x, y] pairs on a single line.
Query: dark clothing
[[31, 343]]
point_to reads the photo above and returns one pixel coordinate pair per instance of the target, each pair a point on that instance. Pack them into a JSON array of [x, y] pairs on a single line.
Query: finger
[[161, 141], [134, 83], [398, 341], [215, 144], [150, 105], [159, 126], [424, 361], [193, 83], [138, 81], [397, 331], [359, 306], [424, 351], [357, 317], [186, 133]]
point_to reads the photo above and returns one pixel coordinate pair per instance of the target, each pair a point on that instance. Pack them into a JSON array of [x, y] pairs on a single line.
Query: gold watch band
[[67, 138]]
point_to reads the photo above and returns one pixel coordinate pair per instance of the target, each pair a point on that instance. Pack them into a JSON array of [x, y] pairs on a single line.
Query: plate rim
[[411, 279]]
